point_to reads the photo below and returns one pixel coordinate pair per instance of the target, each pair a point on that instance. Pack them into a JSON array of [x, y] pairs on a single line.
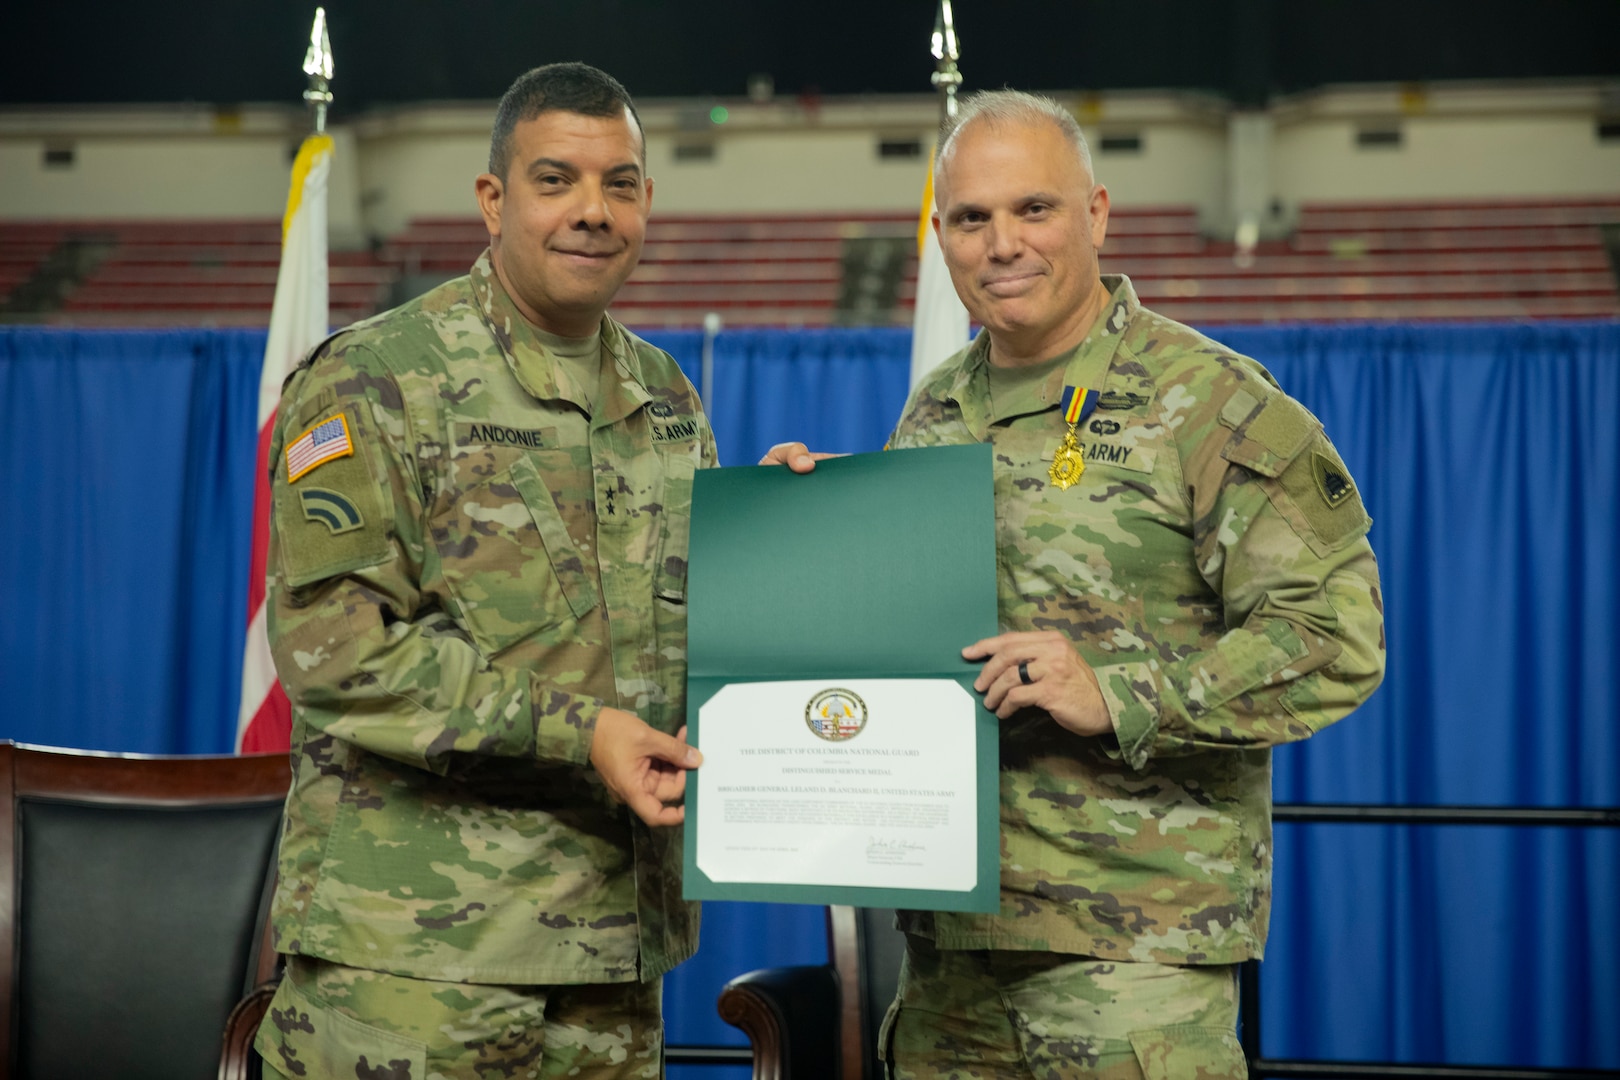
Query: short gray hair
[[1011, 107]]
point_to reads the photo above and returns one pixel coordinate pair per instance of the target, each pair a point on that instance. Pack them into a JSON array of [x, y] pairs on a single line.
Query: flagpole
[[947, 51], [318, 66], [939, 323], [299, 320]]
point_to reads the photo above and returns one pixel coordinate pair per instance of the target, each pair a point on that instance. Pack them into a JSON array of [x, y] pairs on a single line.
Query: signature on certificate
[[893, 852]]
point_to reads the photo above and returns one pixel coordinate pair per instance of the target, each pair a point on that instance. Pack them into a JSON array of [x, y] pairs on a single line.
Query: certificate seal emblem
[[836, 714]]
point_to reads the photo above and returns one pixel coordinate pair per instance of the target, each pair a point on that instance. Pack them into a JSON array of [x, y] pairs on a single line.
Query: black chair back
[[137, 895]]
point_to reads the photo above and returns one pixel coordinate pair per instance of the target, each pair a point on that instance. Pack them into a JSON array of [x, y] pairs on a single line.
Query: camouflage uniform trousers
[[995, 1015], [329, 1021]]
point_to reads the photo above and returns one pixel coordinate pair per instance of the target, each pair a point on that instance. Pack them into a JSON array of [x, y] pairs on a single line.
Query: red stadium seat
[[1502, 259], [168, 273]]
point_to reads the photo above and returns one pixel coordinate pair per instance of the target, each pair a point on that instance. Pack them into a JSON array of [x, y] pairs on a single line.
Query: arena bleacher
[[1450, 261], [164, 273]]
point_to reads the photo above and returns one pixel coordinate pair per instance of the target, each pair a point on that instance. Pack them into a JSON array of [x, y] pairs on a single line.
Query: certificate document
[[871, 784], [847, 758]]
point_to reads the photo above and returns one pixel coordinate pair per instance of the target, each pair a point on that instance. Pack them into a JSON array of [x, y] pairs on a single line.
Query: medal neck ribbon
[[1078, 404]]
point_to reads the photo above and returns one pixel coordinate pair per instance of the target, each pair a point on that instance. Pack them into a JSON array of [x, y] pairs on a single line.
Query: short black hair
[[571, 87]]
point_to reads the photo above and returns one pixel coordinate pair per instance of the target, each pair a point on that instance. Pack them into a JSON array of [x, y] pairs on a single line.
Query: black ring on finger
[[1023, 673]]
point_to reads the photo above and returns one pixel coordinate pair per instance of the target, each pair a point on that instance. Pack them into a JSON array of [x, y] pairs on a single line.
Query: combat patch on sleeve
[[326, 530]]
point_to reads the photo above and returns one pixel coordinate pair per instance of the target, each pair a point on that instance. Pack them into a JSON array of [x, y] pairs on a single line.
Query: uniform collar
[[621, 390], [1087, 367]]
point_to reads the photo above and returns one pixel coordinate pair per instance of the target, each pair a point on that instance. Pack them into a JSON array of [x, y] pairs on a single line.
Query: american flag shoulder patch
[[326, 440]]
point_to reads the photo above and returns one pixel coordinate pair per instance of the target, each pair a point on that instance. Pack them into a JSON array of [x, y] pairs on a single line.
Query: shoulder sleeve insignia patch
[[343, 523], [326, 440], [1318, 497], [337, 512], [1331, 480]]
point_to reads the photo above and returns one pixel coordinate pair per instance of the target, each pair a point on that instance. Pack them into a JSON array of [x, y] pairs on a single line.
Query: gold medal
[[1068, 463]]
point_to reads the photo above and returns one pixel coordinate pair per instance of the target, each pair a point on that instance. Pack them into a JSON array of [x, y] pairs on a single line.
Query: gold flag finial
[[318, 66]]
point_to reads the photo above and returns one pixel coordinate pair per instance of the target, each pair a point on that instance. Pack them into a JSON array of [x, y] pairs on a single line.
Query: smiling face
[[1019, 224], [567, 221]]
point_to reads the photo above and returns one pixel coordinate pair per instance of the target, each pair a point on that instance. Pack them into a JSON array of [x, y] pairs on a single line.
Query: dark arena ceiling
[[388, 51]]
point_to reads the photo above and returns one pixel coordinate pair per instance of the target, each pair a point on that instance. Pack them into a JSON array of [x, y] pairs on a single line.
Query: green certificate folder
[[848, 759]]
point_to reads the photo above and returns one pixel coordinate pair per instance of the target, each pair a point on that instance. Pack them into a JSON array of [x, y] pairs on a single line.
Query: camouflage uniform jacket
[[1212, 568], [451, 607]]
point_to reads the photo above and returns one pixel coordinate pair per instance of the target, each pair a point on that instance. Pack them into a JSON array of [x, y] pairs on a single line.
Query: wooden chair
[[134, 894], [821, 1022]]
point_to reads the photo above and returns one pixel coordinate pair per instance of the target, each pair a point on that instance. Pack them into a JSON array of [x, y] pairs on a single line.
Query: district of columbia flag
[[298, 322], [939, 326]]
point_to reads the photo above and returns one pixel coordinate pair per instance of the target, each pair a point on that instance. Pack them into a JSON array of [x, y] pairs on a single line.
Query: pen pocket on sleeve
[[669, 575]]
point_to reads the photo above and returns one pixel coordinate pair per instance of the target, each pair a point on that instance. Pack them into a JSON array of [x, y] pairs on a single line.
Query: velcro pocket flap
[[566, 561], [1272, 437]]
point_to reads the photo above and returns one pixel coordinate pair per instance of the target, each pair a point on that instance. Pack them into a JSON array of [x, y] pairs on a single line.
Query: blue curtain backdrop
[[128, 492], [1491, 465]]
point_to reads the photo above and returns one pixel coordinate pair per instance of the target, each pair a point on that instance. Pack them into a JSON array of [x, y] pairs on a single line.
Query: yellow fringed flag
[[939, 326], [298, 322]]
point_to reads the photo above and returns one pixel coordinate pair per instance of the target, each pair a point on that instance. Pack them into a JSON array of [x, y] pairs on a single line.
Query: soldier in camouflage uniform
[[1201, 591], [478, 580]]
